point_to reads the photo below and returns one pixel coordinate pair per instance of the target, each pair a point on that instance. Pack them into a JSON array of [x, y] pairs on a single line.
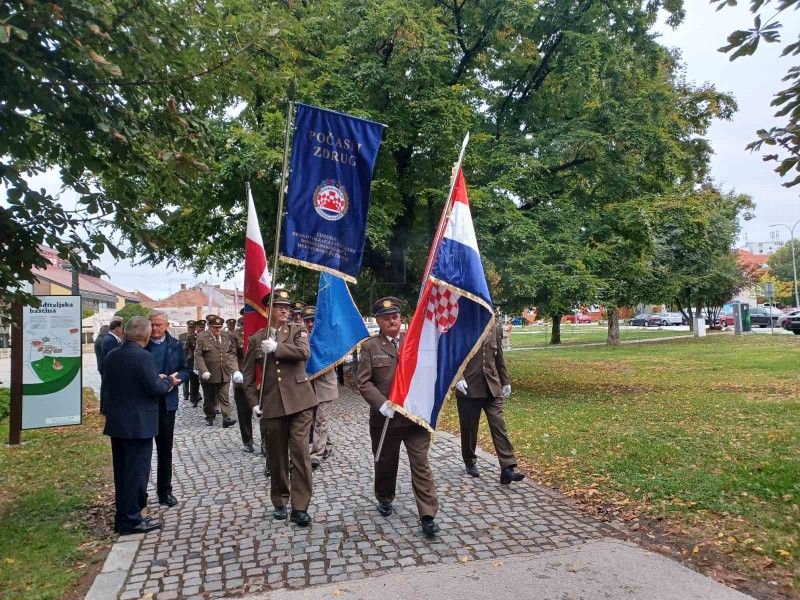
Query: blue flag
[[333, 157], [338, 327]]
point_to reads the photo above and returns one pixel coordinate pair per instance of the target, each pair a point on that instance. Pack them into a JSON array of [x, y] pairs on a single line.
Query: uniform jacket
[[108, 344], [174, 362], [376, 368], [219, 359], [189, 341], [238, 338], [326, 386], [286, 386], [131, 391], [486, 372]]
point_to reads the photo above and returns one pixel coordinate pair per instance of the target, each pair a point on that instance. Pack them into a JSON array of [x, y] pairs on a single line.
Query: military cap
[[229, 321], [240, 321], [215, 321], [297, 307], [282, 297], [200, 323], [190, 323], [309, 312], [386, 306]]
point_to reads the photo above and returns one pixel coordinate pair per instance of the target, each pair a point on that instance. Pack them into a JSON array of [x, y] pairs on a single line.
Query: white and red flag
[[452, 318], [257, 279]]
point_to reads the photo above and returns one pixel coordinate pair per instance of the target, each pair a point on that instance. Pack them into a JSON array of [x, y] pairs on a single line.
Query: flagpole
[[432, 257], [443, 220], [278, 223]]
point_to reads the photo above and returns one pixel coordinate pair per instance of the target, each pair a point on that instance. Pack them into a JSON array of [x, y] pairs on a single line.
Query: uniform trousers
[[417, 441], [166, 433], [216, 395], [245, 415], [131, 459], [194, 387], [469, 416], [322, 420], [288, 435]]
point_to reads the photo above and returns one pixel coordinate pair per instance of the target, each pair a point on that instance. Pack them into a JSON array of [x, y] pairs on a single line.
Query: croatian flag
[[452, 318], [257, 280]]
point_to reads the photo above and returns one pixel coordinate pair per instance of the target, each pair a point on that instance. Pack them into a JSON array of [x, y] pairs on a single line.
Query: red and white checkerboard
[[442, 307]]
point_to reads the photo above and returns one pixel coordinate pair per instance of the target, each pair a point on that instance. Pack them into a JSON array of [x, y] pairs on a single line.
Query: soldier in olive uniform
[[483, 387], [287, 405], [242, 409], [376, 370], [189, 344], [326, 388], [215, 362], [297, 312]]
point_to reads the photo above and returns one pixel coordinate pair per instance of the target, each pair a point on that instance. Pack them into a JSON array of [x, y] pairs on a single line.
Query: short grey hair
[[103, 330], [157, 313], [137, 329]]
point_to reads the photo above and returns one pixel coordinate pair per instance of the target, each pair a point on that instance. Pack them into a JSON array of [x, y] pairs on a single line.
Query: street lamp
[[794, 266]]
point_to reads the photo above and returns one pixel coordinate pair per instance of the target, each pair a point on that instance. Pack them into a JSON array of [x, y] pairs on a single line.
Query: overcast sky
[[752, 81]]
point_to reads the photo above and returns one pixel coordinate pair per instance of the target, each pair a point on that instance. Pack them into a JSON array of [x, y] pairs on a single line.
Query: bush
[[5, 403], [132, 310]]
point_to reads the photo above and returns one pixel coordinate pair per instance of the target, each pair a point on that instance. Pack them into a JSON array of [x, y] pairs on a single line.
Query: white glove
[[257, 412], [205, 376], [506, 390], [196, 372], [461, 386], [386, 410], [268, 345], [237, 377]]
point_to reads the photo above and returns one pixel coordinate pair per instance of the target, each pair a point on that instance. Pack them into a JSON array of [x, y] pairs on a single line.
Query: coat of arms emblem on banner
[[330, 200]]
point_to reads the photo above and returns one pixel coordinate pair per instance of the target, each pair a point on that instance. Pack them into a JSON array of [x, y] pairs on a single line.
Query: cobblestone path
[[221, 540]]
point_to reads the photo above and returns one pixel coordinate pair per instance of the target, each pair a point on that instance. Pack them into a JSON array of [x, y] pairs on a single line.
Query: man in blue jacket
[[132, 389], [168, 357], [111, 340]]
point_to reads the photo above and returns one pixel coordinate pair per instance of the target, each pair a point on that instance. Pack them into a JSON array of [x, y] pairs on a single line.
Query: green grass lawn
[[539, 335], [705, 433], [54, 493]]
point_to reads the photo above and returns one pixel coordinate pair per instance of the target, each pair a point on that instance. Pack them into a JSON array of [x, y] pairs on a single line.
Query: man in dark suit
[[98, 347], [168, 357], [112, 339], [131, 390]]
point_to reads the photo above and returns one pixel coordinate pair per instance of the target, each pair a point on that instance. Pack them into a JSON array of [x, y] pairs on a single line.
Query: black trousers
[[131, 459], [245, 415], [166, 432], [194, 388]]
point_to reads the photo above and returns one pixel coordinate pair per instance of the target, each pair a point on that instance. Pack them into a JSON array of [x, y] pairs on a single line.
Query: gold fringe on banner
[[259, 309], [316, 267]]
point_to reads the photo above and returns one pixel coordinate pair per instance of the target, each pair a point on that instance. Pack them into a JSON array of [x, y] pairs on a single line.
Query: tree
[[132, 310], [784, 140], [88, 312], [780, 263]]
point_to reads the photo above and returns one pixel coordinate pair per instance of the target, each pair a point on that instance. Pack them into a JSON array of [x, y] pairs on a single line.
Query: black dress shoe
[[473, 470], [249, 448], [210, 422], [314, 464], [279, 514], [301, 517], [429, 526], [508, 475], [263, 450], [385, 508], [228, 422], [327, 454], [143, 527], [168, 500]]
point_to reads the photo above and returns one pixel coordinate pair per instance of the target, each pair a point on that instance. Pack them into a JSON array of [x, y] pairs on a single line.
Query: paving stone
[[221, 537]]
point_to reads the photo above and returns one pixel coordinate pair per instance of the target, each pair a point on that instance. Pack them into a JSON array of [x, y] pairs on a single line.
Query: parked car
[[640, 320], [582, 318], [763, 317], [516, 321], [792, 323], [726, 319], [665, 319], [792, 312]]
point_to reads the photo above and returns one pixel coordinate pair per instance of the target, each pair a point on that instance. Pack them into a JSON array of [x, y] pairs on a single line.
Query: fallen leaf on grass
[[696, 549], [785, 553], [10, 561]]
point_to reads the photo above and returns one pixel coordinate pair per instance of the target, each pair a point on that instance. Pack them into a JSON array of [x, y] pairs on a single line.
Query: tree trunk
[[613, 327], [555, 334]]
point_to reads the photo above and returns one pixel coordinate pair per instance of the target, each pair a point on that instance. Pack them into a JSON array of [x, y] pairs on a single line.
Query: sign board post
[[769, 292], [51, 363], [15, 414], [741, 318]]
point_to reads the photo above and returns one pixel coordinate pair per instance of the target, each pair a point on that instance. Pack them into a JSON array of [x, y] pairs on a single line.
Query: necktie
[[396, 343]]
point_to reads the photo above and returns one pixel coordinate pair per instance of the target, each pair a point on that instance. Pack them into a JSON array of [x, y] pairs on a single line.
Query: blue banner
[[333, 157], [338, 327]]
